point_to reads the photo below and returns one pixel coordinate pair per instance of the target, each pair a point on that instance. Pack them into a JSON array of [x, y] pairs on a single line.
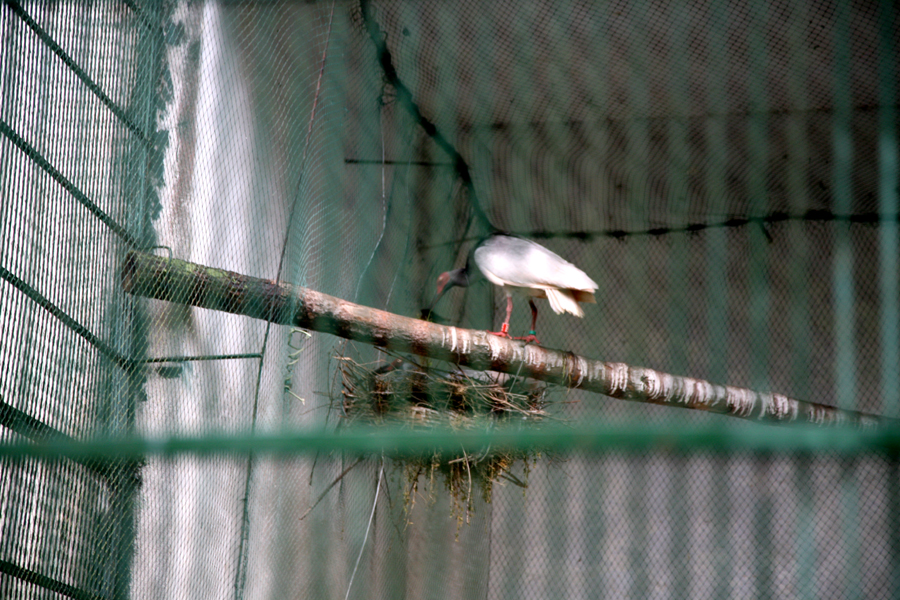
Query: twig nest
[[408, 394]]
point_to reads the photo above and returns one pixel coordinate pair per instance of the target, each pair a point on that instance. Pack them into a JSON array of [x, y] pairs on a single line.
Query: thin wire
[[241, 572], [368, 528], [384, 206], [387, 302], [405, 96]]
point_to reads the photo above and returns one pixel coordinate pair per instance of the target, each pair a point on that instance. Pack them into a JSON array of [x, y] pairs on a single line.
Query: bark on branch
[[285, 304]]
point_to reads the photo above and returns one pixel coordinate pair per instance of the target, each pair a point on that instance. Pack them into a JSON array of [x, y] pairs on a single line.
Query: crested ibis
[[520, 265]]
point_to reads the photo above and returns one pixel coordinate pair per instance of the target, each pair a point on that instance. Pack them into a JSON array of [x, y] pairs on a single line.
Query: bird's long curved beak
[[426, 312], [444, 283]]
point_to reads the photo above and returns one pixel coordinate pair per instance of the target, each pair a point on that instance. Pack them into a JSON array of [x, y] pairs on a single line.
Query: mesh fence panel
[[726, 172]]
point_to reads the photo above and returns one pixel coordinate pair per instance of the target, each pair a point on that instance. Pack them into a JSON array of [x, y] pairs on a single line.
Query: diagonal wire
[[67, 320], [368, 529], [77, 70], [241, 572], [405, 96], [67, 185]]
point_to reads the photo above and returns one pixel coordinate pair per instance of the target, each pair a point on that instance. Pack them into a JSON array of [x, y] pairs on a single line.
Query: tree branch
[[285, 304]]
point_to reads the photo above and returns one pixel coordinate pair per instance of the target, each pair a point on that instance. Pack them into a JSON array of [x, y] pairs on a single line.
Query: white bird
[[520, 265]]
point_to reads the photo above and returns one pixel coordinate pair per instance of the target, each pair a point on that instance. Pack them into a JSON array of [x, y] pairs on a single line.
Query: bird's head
[[447, 280], [442, 281]]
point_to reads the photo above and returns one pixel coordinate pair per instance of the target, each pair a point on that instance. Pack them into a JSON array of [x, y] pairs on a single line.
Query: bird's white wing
[[518, 262]]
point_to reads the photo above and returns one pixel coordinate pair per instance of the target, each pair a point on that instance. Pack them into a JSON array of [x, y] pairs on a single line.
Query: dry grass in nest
[[410, 395]]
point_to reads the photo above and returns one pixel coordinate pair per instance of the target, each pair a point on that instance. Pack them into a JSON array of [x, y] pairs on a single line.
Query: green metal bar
[[799, 237], [893, 521], [679, 194], [717, 240], [637, 483], [76, 193], [169, 359], [68, 321], [722, 550], [637, 175], [27, 426], [889, 204], [842, 279], [804, 530], [24, 424], [889, 179], [850, 495], [395, 441], [764, 563], [117, 110], [150, 20], [759, 303], [45, 582]]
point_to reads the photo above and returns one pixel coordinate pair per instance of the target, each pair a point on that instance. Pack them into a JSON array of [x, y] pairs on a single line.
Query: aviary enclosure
[[223, 373]]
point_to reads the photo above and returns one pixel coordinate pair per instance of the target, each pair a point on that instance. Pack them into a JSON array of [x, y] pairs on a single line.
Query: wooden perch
[[285, 304]]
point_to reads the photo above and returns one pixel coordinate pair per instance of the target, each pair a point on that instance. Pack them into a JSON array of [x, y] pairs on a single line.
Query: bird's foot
[[504, 331], [531, 338]]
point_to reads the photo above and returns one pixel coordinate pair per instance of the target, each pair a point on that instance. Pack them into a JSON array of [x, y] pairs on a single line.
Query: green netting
[[727, 172]]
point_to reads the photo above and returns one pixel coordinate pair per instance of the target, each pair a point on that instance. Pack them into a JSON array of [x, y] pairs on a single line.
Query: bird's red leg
[[531, 338], [504, 329]]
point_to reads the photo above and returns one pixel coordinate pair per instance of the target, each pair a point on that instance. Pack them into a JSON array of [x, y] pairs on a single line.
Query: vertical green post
[[842, 278]]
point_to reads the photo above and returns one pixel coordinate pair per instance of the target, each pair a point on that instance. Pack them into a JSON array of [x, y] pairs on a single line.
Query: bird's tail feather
[[564, 301]]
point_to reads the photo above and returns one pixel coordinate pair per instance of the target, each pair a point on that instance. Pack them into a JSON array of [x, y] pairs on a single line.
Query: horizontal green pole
[[399, 442]]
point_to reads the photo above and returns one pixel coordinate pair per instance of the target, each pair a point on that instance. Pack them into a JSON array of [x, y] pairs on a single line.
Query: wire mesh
[[727, 173]]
